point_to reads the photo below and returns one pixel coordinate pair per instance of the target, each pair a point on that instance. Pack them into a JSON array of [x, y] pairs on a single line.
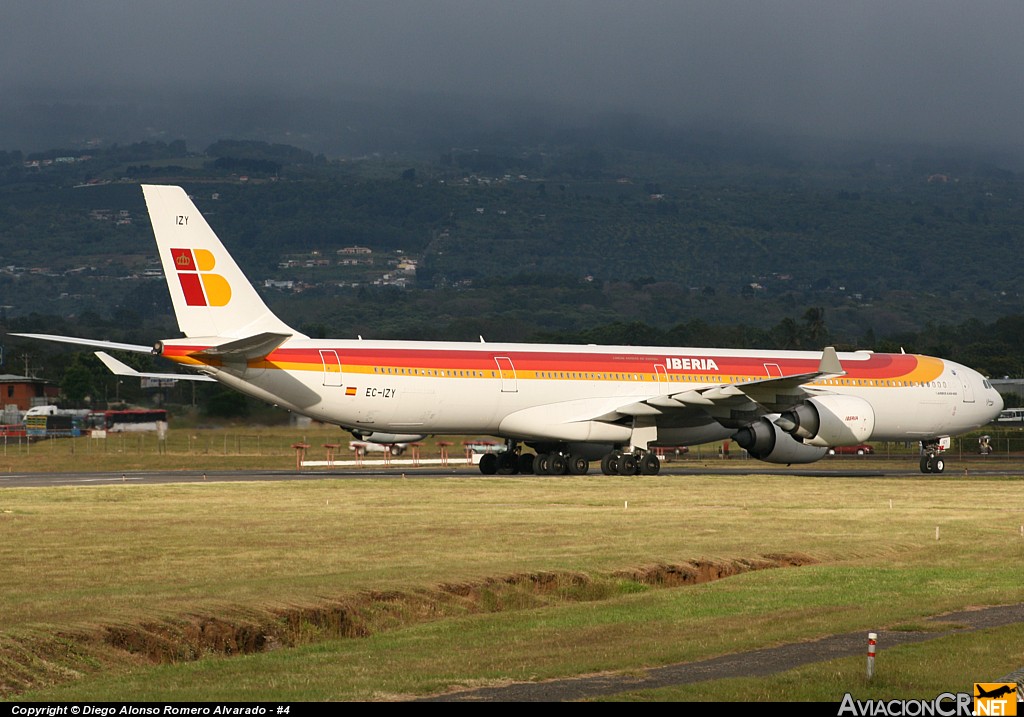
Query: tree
[[227, 404], [77, 384], [814, 322]]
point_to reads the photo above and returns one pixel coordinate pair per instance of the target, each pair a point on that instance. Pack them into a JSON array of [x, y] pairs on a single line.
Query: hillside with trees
[[592, 239]]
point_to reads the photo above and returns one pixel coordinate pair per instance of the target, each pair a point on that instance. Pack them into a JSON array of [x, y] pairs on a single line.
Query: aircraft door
[[509, 383], [662, 377], [332, 367], [965, 382]]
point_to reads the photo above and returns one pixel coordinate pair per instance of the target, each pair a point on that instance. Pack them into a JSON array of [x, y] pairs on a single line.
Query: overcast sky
[[932, 70]]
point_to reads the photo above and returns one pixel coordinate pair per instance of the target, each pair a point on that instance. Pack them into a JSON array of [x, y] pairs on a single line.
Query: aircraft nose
[[997, 399]]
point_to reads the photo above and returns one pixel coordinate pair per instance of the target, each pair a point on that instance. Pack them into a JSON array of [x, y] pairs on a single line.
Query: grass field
[[356, 589]]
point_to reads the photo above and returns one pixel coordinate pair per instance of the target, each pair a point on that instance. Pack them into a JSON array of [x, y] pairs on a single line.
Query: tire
[[650, 464], [526, 463], [488, 464], [508, 464], [926, 464], [860, 452], [610, 464], [938, 465], [558, 464], [578, 465], [628, 465], [542, 464]]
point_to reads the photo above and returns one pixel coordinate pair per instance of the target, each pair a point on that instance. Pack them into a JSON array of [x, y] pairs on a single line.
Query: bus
[[1011, 415], [128, 420]]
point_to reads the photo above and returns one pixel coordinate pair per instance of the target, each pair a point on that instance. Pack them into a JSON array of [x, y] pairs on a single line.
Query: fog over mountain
[[344, 76]]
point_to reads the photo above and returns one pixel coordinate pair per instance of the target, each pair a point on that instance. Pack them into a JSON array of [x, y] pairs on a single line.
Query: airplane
[[996, 692], [571, 404]]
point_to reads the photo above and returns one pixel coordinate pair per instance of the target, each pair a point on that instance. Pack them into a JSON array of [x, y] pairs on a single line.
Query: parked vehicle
[[361, 448], [862, 449]]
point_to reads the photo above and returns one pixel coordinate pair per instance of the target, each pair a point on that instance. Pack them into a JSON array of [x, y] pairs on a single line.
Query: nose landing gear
[[931, 457]]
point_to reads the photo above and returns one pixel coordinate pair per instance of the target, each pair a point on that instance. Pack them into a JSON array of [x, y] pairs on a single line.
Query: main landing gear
[[563, 462], [630, 464], [931, 458], [551, 463]]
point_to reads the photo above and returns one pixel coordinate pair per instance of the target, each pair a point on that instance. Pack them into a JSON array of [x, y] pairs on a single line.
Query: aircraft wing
[[136, 348], [775, 394], [729, 405], [122, 369], [760, 397]]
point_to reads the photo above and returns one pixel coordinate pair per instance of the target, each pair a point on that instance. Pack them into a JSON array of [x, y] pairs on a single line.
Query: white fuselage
[[577, 393]]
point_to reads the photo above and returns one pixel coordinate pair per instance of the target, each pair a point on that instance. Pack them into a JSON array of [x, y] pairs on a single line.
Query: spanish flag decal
[[350, 391]]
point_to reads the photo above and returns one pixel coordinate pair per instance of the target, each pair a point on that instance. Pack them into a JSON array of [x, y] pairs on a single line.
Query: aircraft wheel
[[558, 464], [650, 464], [526, 463], [488, 464], [610, 463], [578, 465], [938, 465], [926, 464], [628, 465], [508, 464], [542, 464]]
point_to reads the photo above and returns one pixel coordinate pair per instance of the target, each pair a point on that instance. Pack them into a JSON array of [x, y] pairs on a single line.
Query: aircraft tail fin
[[211, 295]]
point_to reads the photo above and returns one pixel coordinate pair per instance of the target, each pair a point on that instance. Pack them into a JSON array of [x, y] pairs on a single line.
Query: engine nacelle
[[830, 421], [767, 442], [387, 438]]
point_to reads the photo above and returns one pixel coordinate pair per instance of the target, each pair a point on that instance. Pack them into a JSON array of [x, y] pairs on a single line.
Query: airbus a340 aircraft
[[570, 404]]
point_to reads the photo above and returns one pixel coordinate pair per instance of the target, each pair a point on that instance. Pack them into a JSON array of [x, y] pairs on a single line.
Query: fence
[[181, 442]]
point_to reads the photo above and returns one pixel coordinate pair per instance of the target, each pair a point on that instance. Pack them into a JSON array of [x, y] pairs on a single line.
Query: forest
[[669, 241]]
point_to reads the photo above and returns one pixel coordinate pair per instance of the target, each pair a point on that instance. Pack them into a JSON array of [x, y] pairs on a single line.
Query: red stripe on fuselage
[[873, 366]]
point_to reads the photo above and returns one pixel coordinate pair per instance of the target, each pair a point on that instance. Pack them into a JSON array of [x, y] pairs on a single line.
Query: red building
[[26, 391]]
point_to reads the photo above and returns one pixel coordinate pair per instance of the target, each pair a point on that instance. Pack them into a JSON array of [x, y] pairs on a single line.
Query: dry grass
[[204, 568]]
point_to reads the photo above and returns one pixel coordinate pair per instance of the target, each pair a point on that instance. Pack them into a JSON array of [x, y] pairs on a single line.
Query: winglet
[[830, 361]]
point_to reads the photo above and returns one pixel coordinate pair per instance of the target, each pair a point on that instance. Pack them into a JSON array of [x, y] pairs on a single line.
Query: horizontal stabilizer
[[247, 349], [120, 368], [114, 345]]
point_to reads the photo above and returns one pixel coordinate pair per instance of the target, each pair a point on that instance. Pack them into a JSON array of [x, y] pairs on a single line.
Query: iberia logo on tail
[[201, 288]]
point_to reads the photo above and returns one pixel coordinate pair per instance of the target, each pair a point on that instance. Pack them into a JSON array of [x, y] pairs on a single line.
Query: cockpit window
[[986, 383]]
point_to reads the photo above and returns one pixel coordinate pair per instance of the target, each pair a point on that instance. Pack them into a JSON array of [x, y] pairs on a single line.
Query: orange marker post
[[300, 454]]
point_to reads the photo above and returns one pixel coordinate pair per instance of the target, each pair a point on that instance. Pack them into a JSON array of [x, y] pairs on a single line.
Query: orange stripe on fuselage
[[568, 365]]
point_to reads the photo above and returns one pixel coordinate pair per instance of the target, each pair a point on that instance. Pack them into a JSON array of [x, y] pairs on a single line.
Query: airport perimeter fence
[[176, 442], [283, 443]]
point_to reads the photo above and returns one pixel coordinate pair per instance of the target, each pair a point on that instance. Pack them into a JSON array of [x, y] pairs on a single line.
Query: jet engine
[[830, 421], [767, 442]]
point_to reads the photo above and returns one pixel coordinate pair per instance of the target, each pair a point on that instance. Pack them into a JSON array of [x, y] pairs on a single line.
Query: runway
[[954, 471]]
